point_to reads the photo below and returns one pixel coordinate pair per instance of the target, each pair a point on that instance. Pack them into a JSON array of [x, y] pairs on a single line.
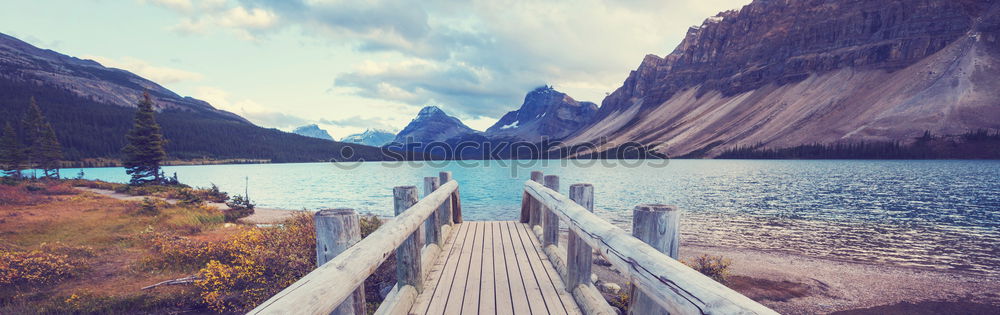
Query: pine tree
[[44, 150], [11, 153], [50, 152], [144, 152], [32, 132]]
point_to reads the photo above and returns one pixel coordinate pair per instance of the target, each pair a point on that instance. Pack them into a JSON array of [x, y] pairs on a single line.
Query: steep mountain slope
[[21, 62], [432, 125], [372, 137], [312, 131], [793, 72], [544, 113], [91, 108]]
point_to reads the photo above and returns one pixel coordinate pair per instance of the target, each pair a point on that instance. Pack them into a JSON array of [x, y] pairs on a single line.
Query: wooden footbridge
[[447, 266]]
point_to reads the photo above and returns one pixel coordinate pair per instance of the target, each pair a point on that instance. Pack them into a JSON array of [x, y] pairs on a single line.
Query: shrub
[[17, 196], [59, 188], [187, 197], [34, 267], [369, 223], [715, 267], [213, 194], [148, 206], [239, 207], [620, 300], [176, 252], [257, 264]]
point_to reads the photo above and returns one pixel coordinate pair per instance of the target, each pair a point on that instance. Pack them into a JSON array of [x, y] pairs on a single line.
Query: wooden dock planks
[[493, 268]]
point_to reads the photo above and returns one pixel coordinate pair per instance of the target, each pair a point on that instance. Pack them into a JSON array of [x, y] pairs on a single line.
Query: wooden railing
[[663, 283], [415, 235]]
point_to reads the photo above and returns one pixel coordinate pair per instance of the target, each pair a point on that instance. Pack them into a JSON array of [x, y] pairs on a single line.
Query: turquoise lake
[[931, 214]]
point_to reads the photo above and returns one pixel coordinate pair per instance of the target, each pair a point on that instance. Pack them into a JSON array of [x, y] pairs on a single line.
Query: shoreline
[[795, 284], [259, 216]]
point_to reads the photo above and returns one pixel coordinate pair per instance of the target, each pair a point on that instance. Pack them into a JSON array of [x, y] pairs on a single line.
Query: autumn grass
[[63, 251]]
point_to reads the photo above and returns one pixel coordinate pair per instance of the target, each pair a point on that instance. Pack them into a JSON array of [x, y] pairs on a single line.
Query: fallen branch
[[185, 280]]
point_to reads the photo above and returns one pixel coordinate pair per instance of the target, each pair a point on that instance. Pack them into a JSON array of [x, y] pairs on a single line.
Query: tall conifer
[[12, 154], [44, 150], [144, 152]]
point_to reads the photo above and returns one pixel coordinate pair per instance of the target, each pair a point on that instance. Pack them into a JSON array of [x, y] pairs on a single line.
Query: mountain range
[[780, 74], [312, 131], [372, 137], [91, 108], [773, 75]]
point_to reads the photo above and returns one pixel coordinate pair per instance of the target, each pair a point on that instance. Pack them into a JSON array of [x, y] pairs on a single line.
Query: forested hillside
[[90, 129]]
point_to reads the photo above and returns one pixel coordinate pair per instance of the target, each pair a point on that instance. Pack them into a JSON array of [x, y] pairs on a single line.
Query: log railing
[[663, 283], [325, 289]]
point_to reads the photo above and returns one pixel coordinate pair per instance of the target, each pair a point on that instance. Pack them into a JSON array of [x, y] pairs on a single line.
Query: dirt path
[[259, 216]]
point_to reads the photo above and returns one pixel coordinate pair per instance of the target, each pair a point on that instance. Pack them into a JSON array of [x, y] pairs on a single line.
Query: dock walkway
[[447, 266], [494, 267]]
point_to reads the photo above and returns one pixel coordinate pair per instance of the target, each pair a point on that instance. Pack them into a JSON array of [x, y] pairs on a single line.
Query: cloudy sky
[[350, 65]]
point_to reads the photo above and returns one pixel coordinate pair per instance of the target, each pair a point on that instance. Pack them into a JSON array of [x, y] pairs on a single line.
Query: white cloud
[[476, 58], [253, 19], [158, 74], [176, 5]]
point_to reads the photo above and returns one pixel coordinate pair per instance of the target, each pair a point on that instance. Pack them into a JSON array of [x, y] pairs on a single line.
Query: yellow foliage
[[32, 268], [257, 264]]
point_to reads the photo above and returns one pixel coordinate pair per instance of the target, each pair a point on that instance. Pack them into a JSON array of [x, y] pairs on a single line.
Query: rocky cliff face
[[372, 137], [21, 63], [312, 131], [787, 72], [544, 113], [432, 125]]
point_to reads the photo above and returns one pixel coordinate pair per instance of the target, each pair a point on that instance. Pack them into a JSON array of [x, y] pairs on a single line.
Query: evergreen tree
[[50, 152], [144, 151], [11, 153], [33, 126], [44, 150]]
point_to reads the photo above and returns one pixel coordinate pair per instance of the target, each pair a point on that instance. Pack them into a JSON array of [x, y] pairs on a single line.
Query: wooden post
[[550, 228], [579, 255], [336, 231], [535, 208], [659, 226], [445, 210], [456, 199], [432, 230], [408, 253]]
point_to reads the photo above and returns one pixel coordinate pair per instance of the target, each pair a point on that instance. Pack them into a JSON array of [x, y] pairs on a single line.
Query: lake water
[[934, 214]]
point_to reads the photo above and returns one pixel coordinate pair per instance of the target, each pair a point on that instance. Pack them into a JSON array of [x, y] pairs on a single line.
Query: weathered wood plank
[[315, 294], [457, 291], [671, 284], [518, 291], [562, 302], [502, 287], [473, 281], [487, 290], [442, 285], [548, 292], [535, 299]]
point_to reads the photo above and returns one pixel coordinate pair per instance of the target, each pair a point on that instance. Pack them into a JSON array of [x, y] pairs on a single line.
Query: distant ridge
[[91, 109], [783, 74]]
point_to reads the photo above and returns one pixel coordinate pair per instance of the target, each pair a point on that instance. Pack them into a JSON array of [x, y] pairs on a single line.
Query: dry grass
[[40, 222]]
